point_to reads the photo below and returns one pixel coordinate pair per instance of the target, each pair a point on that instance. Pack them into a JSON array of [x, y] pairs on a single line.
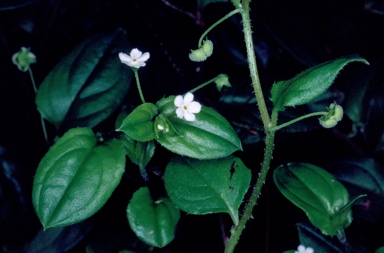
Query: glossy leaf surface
[[309, 84], [209, 136], [76, 177], [153, 221], [139, 124], [87, 85], [207, 186], [324, 199]]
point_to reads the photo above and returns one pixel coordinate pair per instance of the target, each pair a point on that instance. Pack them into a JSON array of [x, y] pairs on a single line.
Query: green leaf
[[324, 199], [207, 186], [87, 85], [154, 222], [76, 177], [380, 250], [139, 153], [139, 124], [309, 84], [209, 136]]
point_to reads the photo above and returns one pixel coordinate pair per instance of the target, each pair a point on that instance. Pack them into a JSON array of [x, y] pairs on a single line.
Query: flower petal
[[136, 53], [179, 113], [178, 101], [124, 58], [194, 107], [144, 57], [188, 98], [189, 116]]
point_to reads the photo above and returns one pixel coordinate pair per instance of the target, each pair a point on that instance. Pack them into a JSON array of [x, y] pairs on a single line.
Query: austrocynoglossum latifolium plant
[[205, 173]]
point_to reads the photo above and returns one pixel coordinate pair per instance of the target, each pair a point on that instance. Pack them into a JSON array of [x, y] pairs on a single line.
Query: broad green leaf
[[87, 85], [76, 177], [380, 250], [209, 136], [139, 124], [154, 222], [324, 199], [207, 186], [309, 84], [321, 243]]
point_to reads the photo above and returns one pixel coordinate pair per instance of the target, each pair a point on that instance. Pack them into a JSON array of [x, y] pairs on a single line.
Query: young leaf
[[139, 124], [87, 85], [207, 186], [209, 136], [309, 84], [76, 177], [154, 222], [324, 199]]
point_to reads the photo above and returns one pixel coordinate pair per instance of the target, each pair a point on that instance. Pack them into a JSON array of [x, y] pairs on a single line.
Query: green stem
[[138, 84], [217, 23], [41, 117], [269, 145], [267, 122], [298, 119], [203, 85], [247, 29]]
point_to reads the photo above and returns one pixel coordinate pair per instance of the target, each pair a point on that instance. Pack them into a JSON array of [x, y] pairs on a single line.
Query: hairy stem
[[267, 122]]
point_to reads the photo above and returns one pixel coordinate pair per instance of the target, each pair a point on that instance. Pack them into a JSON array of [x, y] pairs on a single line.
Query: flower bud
[[197, 55], [161, 125], [335, 114], [23, 59], [201, 54], [207, 47], [222, 80]]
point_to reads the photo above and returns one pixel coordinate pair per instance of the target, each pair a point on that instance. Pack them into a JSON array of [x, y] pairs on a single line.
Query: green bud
[[197, 55], [335, 114], [161, 125], [207, 47], [222, 80], [23, 59]]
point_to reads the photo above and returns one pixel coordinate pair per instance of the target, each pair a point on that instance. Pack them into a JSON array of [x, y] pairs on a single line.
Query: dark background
[[289, 37]]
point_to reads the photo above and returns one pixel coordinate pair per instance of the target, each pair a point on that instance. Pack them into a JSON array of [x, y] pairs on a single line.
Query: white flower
[[303, 249], [135, 59], [23, 59], [187, 108]]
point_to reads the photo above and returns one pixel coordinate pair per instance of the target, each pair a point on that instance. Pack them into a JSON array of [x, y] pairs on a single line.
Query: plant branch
[[297, 119], [41, 117], [217, 23]]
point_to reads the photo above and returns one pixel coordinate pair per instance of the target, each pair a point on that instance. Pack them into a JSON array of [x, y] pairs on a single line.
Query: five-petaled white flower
[[187, 108], [135, 59], [303, 249]]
